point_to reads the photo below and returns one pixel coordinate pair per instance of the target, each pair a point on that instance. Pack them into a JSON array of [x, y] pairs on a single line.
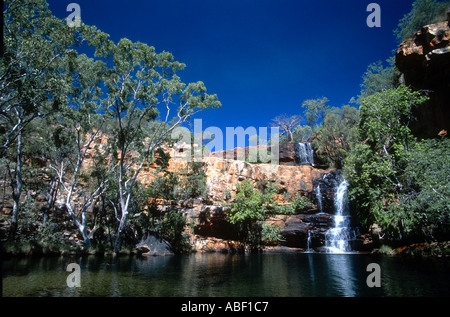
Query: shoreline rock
[[154, 245]]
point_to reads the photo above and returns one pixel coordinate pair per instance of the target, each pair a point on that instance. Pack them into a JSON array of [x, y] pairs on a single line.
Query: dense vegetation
[[252, 206], [85, 126], [398, 182], [423, 12], [79, 130]]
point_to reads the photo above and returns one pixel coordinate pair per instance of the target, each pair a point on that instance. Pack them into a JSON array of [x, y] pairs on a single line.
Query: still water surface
[[265, 275]]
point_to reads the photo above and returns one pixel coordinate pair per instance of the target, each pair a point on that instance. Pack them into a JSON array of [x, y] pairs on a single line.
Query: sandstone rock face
[[425, 62], [211, 244], [287, 155], [224, 175], [207, 224]]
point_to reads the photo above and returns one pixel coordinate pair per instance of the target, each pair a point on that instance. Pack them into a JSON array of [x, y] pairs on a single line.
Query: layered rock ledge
[[424, 60]]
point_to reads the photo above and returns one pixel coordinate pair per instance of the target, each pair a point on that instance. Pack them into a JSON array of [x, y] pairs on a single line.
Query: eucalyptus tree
[[423, 12], [30, 82], [336, 135], [315, 111], [287, 124], [147, 100], [378, 78], [78, 125]]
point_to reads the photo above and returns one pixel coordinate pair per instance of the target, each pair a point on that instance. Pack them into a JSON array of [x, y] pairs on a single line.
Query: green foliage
[[331, 129], [423, 12], [28, 221], [248, 213], [172, 228], [250, 204], [315, 110], [251, 208], [396, 182], [142, 88], [421, 210], [301, 203], [385, 118], [164, 186], [193, 184], [298, 205], [58, 102], [301, 133], [270, 235], [181, 185], [378, 78], [227, 194], [336, 135], [427, 191]]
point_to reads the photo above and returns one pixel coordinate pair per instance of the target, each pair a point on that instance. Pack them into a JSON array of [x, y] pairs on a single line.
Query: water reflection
[[341, 272], [287, 275]]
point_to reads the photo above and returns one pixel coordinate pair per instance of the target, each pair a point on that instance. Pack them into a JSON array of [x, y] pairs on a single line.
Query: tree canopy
[[423, 12], [125, 93]]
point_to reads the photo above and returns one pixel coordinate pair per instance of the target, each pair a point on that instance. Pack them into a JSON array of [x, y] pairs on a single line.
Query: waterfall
[[337, 238], [319, 197], [305, 153], [308, 243], [331, 198]]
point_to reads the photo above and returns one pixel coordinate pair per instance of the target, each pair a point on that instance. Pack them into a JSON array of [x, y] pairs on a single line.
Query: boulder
[[287, 154], [154, 245], [298, 228], [295, 233]]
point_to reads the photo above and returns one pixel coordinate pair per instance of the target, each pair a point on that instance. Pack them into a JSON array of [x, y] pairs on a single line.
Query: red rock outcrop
[[286, 153], [224, 175], [424, 61]]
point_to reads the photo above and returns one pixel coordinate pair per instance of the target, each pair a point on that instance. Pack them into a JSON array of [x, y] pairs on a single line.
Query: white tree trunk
[[17, 187]]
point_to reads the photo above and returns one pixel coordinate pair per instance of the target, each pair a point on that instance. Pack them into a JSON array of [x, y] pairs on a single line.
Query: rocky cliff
[[424, 61], [207, 223], [286, 153], [224, 174]]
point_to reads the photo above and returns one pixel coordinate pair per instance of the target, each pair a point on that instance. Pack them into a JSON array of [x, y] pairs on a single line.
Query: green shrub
[[270, 235], [172, 228], [301, 203], [193, 182], [185, 184], [248, 213]]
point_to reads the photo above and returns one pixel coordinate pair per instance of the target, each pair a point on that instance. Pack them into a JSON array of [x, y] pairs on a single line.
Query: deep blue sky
[[261, 57]]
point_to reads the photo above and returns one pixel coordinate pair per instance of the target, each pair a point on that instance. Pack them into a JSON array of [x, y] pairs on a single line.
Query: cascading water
[[331, 197], [305, 153], [308, 243], [319, 197], [337, 239]]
